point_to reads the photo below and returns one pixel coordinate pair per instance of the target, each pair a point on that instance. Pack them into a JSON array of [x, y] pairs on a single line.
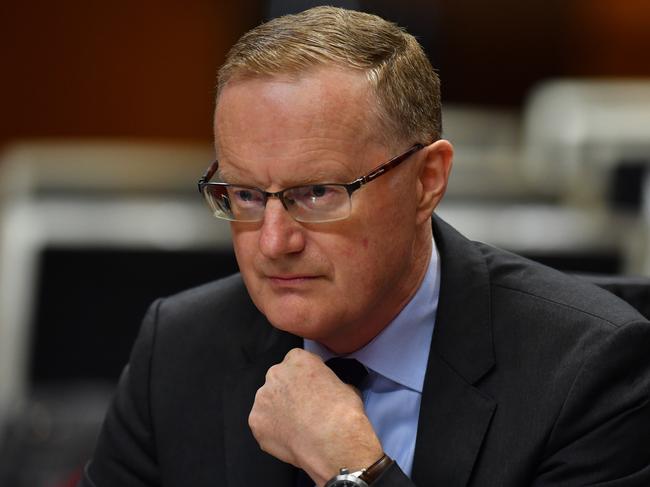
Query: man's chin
[[303, 324], [297, 327]]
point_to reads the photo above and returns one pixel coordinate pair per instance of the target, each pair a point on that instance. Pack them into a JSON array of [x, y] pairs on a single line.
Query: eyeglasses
[[313, 203]]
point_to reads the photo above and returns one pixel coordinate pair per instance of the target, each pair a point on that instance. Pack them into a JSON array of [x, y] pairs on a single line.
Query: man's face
[[340, 282]]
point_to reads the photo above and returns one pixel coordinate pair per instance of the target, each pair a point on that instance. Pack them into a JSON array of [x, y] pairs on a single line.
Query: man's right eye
[[244, 195], [247, 197]]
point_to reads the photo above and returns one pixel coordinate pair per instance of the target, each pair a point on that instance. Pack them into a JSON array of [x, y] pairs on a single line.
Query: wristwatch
[[361, 478]]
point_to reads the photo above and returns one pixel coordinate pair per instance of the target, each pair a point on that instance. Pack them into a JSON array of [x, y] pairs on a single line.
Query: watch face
[[346, 481]]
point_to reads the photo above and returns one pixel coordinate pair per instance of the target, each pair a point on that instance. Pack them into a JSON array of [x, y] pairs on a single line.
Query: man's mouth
[[291, 279]]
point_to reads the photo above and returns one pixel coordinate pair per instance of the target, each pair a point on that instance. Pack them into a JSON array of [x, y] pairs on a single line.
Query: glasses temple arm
[[208, 174], [378, 171]]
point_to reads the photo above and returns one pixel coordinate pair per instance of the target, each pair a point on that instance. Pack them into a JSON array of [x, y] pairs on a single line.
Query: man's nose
[[280, 233]]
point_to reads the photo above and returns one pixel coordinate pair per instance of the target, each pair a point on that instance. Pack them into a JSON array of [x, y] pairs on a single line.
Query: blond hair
[[405, 85]]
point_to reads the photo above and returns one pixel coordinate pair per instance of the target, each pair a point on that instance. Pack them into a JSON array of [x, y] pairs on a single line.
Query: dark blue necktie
[[350, 371]]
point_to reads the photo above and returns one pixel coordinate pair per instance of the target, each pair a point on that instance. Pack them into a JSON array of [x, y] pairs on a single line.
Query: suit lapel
[[246, 464], [454, 414], [454, 418]]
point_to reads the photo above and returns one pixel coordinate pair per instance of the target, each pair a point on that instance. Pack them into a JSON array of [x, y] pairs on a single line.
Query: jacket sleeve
[[125, 454], [602, 434]]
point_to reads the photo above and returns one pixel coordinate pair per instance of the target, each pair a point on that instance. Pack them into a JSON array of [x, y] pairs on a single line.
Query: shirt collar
[[400, 352]]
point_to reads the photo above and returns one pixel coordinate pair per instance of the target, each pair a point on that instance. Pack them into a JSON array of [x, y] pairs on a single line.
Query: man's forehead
[[311, 124], [324, 94], [264, 109]]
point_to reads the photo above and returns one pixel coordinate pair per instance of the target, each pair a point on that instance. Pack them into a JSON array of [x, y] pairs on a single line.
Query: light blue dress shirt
[[396, 360]]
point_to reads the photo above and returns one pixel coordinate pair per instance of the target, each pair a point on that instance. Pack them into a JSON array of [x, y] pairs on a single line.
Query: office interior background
[[106, 126]]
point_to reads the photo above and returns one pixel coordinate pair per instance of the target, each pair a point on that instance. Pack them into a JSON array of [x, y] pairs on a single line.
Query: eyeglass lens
[[313, 203]]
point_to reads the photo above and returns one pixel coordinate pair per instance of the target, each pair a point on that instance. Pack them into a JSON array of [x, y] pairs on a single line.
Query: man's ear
[[432, 177]]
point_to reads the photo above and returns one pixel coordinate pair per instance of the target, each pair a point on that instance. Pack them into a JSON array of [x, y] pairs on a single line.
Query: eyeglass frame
[[350, 187]]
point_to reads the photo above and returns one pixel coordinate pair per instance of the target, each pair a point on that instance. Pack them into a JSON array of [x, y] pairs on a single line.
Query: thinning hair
[[405, 85]]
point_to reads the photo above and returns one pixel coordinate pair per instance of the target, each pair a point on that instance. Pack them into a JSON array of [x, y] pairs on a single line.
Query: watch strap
[[374, 471]]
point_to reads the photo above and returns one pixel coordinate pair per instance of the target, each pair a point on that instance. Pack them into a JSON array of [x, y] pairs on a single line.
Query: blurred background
[[106, 126]]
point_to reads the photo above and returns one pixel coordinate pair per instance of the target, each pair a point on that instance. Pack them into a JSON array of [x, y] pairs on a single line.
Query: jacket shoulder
[[553, 289], [216, 298], [211, 320]]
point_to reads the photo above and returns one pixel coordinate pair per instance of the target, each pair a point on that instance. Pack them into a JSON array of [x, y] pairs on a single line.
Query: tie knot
[[349, 370]]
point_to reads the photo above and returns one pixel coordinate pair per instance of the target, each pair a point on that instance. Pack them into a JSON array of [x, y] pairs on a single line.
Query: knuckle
[[271, 373], [253, 421], [258, 397], [263, 444], [294, 354]]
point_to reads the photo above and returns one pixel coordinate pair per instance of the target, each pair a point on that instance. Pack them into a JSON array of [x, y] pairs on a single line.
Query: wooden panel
[[609, 37], [146, 68], [492, 52], [141, 68]]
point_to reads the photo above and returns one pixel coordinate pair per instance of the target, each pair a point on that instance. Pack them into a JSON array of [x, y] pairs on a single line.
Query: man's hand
[[304, 415]]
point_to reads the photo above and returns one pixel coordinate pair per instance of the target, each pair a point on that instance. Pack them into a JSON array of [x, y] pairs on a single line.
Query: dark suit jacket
[[534, 378]]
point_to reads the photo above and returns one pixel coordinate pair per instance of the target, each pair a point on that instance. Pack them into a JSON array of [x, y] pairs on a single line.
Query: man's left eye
[[318, 191]]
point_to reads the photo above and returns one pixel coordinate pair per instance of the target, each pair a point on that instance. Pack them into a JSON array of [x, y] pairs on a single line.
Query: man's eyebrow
[[318, 176], [226, 176]]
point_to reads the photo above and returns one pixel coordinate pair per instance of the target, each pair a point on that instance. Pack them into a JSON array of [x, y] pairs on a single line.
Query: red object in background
[[72, 480]]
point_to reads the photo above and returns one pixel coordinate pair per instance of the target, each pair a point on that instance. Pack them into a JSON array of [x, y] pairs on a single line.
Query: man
[[484, 369]]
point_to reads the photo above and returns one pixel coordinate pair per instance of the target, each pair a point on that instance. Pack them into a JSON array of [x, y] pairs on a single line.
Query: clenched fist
[[304, 415]]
